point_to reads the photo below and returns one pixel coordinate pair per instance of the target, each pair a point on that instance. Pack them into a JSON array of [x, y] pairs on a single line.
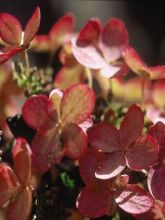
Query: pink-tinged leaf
[[74, 141], [155, 213], [20, 208], [22, 161], [40, 43], [67, 77], [63, 27], [88, 55], [135, 63], [130, 128], [47, 149], [35, 111], [157, 72], [104, 137], [90, 32], [85, 125], [156, 182], [89, 162], [32, 26], [77, 104], [10, 29], [114, 39], [110, 165], [8, 182], [133, 199], [95, 201], [109, 70], [142, 153]]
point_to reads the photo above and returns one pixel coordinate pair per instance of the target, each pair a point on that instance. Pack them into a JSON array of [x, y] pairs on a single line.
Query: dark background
[[145, 20]]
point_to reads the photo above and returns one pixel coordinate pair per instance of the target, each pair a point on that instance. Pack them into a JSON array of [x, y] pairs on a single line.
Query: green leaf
[[116, 216], [67, 181]]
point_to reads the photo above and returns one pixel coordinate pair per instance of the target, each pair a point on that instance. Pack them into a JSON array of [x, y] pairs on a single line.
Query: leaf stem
[[89, 77], [27, 63]]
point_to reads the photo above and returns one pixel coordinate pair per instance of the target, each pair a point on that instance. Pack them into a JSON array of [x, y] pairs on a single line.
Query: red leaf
[[104, 137], [61, 29], [47, 149], [5, 56], [158, 132], [88, 165], [134, 62], [8, 183], [95, 201], [20, 208], [130, 128], [77, 104], [10, 29], [114, 39], [22, 161], [35, 111], [75, 141], [156, 182], [133, 199], [110, 165], [90, 32], [142, 153], [32, 27]]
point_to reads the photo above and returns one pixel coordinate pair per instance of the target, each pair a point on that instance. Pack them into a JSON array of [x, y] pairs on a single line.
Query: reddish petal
[[130, 128], [88, 55], [77, 104], [10, 29], [142, 153], [158, 132], [135, 63], [63, 27], [156, 182], [88, 164], [8, 183], [133, 199], [114, 39], [20, 209], [104, 137], [110, 165], [32, 26], [35, 111], [90, 32], [47, 149], [22, 161], [95, 201], [75, 141]]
